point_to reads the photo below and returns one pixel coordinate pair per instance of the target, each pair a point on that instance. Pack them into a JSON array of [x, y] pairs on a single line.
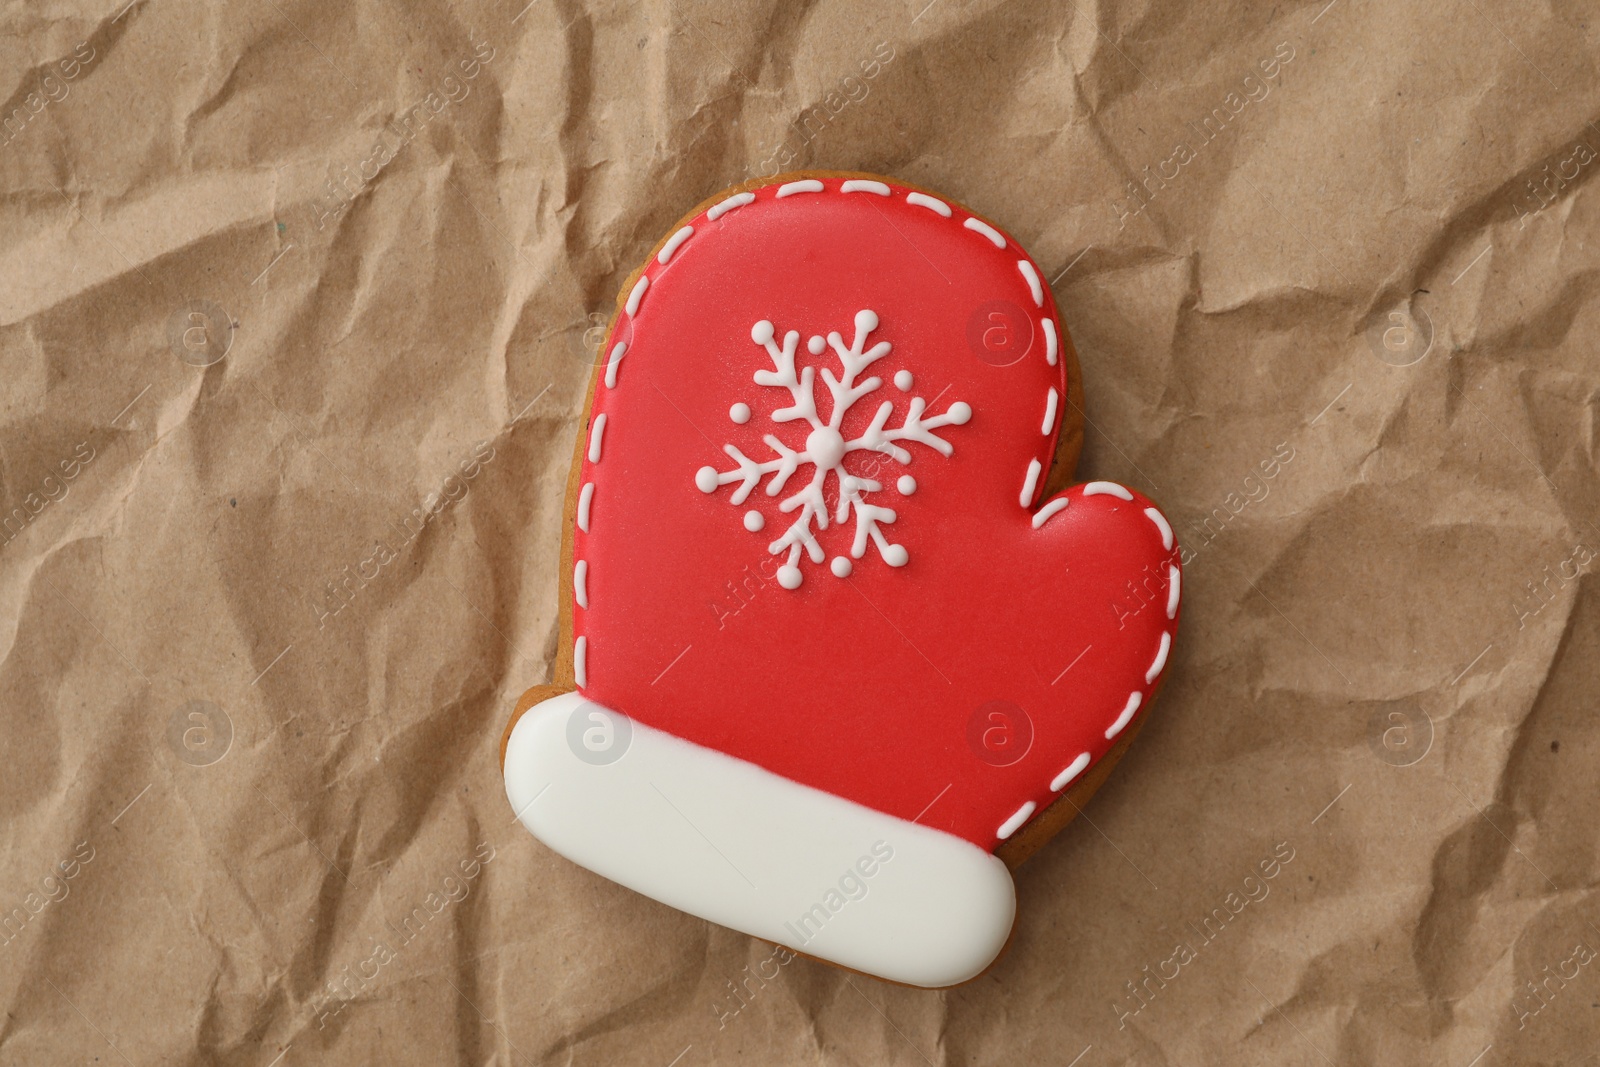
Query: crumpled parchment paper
[[297, 306]]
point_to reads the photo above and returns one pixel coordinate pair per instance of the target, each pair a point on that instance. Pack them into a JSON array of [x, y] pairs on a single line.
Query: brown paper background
[[1388, 660]]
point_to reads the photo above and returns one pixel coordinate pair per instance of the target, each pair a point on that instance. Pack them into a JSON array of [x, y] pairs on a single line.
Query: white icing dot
[[762, 332], [706, 479], [960, 413], [754, 520], [841, 567], [866, 320], [896, 555], [826, 447], [903, 380], [789, 576], [816, 344], [907, 485], [739, 413]]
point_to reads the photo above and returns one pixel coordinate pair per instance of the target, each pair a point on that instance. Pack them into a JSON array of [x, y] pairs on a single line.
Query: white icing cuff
[[723, 839]]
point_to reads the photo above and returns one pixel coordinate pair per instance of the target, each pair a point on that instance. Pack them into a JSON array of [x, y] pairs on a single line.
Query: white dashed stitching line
[[1033, 282], [1043, 514], [580, 583], [585, 498], [737, 200], [1077, 766], [856, 185], [1161, 524], [1020, 816], [979, 226], [618, 350], [1157, 665], [1161, 659], [673, 243], [597, 433], [1107, 489], [924, 200], [809, 185], [1135, 698], [1071, 771], [1031, 482], [1051, 343], [632, 306], [580, 661], [1049, 413]]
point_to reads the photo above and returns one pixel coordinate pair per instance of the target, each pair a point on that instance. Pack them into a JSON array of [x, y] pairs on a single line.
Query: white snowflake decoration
[[826, 448]]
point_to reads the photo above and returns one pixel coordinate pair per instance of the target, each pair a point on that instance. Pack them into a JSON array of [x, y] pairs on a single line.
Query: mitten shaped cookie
[[828, 661]]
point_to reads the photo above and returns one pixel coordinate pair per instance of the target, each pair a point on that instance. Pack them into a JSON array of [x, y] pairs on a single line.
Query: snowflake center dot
[[825, 446]]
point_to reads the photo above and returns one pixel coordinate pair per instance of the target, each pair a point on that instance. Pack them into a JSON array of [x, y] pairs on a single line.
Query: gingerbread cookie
[[831, 655]]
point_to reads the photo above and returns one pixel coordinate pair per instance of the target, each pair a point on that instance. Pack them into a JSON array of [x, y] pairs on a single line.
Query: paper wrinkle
[[126, 245], [1484, 853], [208, 105]]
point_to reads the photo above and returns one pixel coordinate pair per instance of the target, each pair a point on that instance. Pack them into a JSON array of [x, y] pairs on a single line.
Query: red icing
[[866, 687]]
